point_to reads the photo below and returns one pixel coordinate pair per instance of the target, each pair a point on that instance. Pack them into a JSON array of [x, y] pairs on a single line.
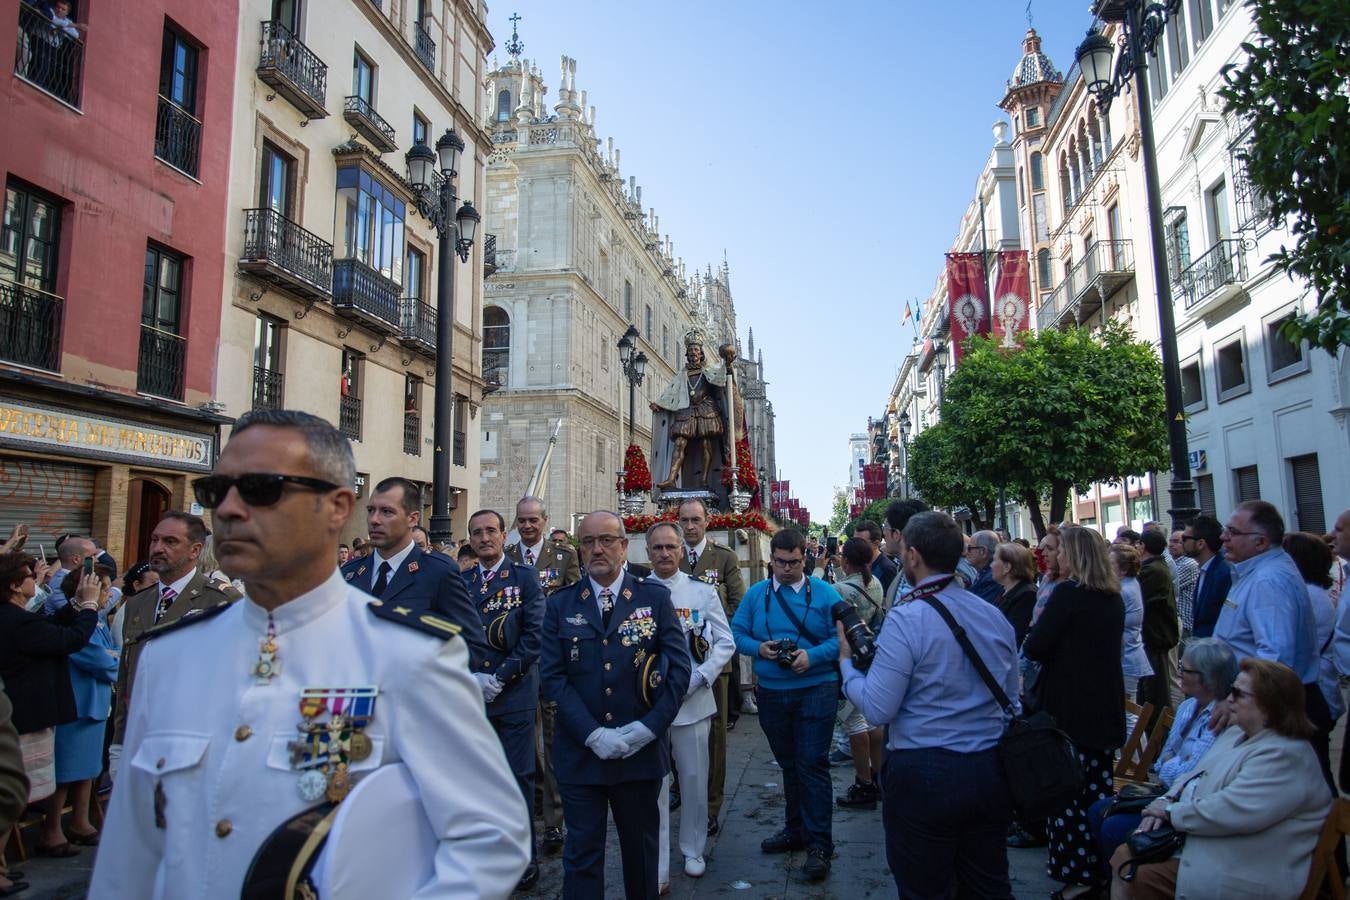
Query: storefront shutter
[[51, 498]]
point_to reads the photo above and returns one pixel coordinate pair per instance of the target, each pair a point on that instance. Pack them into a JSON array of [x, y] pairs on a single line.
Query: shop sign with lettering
[[75, 433]]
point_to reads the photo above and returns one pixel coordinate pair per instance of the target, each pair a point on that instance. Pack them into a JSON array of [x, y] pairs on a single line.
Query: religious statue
[[696, 411]]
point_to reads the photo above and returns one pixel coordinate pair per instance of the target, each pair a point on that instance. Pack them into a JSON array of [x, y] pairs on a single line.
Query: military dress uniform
[[139, 617], [595, 673], [429, 581], [234, 705], [558, 566], [719, 566], [511, 606]]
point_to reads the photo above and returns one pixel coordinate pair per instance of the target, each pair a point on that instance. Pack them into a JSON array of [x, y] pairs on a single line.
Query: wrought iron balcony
[[349, 417], [369, 124], [267, 388], [280, 251], [419, 326], [457, 447], [163, 363], [178, 137], [30, 326], [1213, 279], [1106, 268], [293, 70], [412, 433], [364, 295], [489, 255], [425, 46], [47, 57]]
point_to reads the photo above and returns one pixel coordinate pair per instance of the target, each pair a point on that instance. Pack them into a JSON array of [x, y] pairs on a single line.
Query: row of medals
[[346, 741]]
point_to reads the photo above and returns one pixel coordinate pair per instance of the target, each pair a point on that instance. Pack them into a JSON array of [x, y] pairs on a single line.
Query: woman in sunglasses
[[1252, 811]]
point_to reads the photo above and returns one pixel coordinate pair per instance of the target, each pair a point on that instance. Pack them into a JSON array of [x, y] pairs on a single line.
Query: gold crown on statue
[[694, 336]]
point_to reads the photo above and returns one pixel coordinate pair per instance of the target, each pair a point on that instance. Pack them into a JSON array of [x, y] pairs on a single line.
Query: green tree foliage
[[1292, 89], [874, 511], [839, 514], [1069, 408]]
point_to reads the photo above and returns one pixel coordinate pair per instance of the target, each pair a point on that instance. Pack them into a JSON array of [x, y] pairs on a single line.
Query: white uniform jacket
[[699, 610], [207, 773]]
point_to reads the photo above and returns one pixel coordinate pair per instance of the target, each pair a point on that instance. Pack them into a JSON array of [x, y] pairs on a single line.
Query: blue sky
[[828, 148]]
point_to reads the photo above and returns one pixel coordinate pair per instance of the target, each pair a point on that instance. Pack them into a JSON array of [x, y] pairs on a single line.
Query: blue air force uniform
[[511, 608], [595, 675], [427, 581]]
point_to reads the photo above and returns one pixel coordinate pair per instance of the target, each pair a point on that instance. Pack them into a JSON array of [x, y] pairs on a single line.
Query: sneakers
[[860, 795], [840, 758], [817, 864], [782, 842], [694, 866], [748, 705]]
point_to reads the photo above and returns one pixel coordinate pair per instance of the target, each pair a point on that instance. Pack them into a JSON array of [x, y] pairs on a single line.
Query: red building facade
[[114, 154]]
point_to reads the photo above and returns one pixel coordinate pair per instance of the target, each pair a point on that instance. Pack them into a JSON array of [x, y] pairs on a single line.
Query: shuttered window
[[1204, 488], [1246, 484], [1308, 494]]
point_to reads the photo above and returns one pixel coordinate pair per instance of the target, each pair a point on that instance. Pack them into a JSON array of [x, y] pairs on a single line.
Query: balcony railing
[[178, 137], [412, 433], [162, 364], [364, 295], [30, 326], [419, 326], [267, 387], [280, 251], [369, 124], [48, 57], [1105, 268], [489, 255], [1204, 281], [426, 47], [457, 448], [349, 417], [293, 70]]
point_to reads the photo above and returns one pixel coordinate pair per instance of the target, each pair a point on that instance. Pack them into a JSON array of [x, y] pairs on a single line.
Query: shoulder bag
[[1039, 761]]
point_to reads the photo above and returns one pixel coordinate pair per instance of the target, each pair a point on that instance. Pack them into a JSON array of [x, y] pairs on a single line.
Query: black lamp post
[[940, 360], [1143, 24], [436, 200], [905, 425], [634, 367]]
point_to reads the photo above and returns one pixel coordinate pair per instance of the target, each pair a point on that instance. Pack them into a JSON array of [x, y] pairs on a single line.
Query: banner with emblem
[[968, 298], [1012, 292]]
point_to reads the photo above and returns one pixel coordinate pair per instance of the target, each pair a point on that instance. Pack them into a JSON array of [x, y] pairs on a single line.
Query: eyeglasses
[[1238, 693], [786, 563], [255, 488], [1233, 532], [604, 540]]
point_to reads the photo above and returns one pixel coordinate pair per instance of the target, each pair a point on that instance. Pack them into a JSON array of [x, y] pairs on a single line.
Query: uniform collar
[[697, 549], [301, 610], [179, 585], [615, 588], [394, 561], [482, 571], [536, 549], [670, 582]]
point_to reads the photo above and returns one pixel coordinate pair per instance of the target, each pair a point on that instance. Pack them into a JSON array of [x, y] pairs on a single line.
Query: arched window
[[1084, 157], [1037, 172], [1043, 275], [496, 346], [1095, 135], [504, 105]]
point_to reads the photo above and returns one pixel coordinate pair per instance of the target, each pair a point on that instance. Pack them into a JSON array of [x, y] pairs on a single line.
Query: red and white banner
[[777, 494], [968, 298], [1012, 298]]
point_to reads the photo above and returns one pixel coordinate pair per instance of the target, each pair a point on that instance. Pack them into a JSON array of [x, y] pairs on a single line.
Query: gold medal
[[338, 784], [359, 747]]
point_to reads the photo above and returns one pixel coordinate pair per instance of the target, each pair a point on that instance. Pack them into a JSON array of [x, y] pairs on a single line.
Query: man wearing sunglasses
[[246, 715]]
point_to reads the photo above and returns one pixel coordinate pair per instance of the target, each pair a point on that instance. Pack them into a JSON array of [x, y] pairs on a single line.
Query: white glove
[[637, 735], [114, 760], [489, 685], [607, 743], [696, 683]]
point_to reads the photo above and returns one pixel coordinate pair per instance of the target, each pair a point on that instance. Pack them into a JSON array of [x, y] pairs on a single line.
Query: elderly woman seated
[[1207, 672], [1252, 810]]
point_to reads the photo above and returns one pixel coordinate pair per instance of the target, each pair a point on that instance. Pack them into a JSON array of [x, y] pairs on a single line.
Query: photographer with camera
[[945, 802], [786, 624]]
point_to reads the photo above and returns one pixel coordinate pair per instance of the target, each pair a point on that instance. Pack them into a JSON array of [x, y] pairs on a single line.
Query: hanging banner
[[1012, 293], [968, 295]]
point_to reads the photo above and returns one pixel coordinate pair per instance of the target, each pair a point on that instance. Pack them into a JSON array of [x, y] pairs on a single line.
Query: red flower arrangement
[[745, 474], [636, 475], [716, 521]]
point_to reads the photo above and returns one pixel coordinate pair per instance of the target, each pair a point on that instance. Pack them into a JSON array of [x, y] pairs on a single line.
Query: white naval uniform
[[689, 731], [202, 727]]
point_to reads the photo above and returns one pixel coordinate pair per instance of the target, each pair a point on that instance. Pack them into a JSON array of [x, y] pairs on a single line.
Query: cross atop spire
[[1029, 22], [515, 46]]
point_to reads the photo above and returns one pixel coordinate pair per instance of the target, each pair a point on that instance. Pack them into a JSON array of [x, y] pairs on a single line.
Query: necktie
[[606, 607], [693, 557], [381, 579], [529, 557], [166, 596]]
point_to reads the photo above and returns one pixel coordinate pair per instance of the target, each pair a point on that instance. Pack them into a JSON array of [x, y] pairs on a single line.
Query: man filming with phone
[[785, 623]]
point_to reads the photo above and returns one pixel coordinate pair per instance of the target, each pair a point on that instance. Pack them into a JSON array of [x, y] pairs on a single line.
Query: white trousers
[[689, 753]]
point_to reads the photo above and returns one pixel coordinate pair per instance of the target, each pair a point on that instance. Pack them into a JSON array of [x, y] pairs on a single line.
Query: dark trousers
[[516, 732], [717, 746], [1157, 688], [637, 818], [799, 724], [946, 816], [550, 803]]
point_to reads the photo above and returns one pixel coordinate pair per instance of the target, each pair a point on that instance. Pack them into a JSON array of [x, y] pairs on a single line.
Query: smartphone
[[89, 565], [832, 544]]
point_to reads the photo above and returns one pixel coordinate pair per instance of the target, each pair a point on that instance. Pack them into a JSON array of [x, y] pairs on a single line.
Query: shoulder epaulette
[[191, 617], [418, 619], [719, 545]]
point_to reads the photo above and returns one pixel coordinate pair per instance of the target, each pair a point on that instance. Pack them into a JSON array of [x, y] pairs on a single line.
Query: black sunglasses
[[255, 488]]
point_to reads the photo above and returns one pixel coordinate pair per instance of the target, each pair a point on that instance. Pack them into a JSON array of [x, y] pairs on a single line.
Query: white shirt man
[[700, 612]]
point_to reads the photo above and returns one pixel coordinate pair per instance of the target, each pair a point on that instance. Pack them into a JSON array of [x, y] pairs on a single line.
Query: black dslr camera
[[783, 655], [860, 638]]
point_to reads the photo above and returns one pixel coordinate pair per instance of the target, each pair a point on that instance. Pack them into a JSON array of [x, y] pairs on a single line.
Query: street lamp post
[[905, 425], [634, 367], [455, 228], [940, 360], [1143, 24]]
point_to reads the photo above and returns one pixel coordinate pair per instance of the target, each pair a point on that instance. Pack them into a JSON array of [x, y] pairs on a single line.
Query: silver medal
[[312, 785]]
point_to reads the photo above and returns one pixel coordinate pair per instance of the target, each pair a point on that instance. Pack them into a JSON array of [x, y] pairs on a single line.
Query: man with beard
[[398, 572], [175, 545]]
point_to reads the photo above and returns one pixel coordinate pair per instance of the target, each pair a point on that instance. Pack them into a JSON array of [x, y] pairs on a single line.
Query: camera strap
[[787, 610], [928, 594]]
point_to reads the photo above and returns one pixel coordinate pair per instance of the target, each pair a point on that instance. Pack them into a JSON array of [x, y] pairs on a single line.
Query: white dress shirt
[[394, 562]]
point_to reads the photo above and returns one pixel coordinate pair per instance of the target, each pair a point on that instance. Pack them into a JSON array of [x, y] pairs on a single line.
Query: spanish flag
[[909, 314]]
